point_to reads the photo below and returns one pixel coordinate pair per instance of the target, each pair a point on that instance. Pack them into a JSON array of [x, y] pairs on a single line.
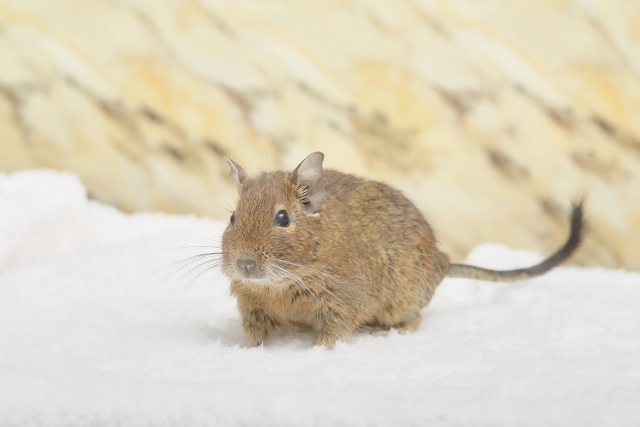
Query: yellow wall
[[491, 115]]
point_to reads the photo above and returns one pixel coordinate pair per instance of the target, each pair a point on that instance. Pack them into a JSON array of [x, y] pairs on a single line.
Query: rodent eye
[[282, 219], [232, 220]]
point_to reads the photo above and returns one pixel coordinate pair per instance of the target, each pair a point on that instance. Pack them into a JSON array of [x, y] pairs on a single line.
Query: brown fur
[[366, 257]]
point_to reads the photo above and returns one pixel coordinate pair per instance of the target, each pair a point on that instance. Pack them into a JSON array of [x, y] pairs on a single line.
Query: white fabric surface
[[89, 336]]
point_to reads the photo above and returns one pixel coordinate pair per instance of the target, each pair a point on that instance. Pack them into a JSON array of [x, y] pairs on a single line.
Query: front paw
[[253, 343], [326, 341]]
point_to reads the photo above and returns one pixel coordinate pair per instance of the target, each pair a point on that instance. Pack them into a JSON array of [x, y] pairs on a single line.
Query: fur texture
[[360, 253]]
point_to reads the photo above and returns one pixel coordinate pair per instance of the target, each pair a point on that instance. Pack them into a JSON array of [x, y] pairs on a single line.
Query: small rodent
[[332, 252]]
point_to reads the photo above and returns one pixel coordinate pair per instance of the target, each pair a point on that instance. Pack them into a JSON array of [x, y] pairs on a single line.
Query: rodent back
[[386, 227]]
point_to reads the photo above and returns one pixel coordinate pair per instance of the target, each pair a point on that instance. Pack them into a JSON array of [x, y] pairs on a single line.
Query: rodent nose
[[246, 264]]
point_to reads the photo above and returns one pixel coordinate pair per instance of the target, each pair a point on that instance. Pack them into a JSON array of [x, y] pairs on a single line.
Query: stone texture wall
[[490, 114]]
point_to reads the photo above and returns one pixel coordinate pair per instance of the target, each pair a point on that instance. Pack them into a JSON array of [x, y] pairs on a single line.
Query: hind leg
[[381, 333], [403, 327], [410, 325], [334, 323]]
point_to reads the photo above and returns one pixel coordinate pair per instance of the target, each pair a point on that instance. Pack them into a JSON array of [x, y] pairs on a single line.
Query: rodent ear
[[236, 172], [309, 179]]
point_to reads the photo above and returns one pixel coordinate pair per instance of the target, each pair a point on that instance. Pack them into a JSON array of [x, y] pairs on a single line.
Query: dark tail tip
[[577, 228], [572, 243]]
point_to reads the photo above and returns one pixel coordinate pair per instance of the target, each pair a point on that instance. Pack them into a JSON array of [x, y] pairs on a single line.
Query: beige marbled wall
[[489, 114]]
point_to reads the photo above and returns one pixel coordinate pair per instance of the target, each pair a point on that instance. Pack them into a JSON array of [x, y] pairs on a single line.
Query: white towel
[[89, 336]]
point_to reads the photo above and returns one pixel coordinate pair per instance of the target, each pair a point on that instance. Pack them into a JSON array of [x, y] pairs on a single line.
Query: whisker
[[194, 270], [330, 276], [186, 261], [296, 280], [211, 267], [193, 257], [205, 262], [204, 271], [182, 247], [196, 238], [301, 280], [222, 198], [186, 264], [216, 275]]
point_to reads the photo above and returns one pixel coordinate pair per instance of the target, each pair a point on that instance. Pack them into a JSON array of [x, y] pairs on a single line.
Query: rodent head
[[273, 232]]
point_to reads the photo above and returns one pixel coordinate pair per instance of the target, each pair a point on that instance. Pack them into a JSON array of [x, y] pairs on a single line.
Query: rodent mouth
[[263, 281], [248, 271], [260, 278], [252, 276]]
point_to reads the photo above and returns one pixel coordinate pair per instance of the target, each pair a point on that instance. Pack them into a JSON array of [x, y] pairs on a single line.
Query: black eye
[[282, 219], [232, 220]]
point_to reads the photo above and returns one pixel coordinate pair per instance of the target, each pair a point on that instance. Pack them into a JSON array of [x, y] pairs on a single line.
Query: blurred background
[[491, 115]]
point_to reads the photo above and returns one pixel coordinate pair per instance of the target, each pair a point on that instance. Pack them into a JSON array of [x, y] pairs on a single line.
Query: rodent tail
[[577, 227]]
